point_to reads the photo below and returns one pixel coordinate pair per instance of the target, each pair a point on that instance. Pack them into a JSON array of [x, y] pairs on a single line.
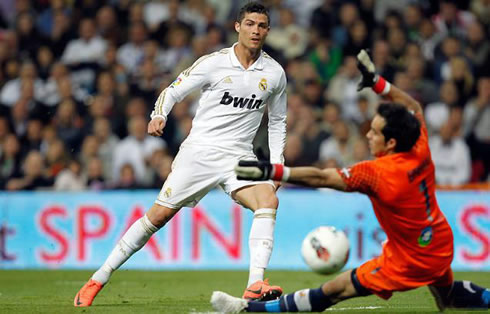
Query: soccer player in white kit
[[237, 83]]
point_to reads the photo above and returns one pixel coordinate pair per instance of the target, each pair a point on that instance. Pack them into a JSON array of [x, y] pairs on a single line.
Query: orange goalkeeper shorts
[[383, 280]]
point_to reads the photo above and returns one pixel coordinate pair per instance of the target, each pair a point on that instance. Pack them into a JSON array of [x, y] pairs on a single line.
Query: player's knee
[[159, 215], [269, 201]]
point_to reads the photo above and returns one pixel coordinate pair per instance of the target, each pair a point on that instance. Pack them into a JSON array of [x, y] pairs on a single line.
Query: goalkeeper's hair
[[253, 7], [401, 125]]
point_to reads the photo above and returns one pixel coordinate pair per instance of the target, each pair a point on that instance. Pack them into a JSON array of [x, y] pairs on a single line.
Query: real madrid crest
[[263, 84]]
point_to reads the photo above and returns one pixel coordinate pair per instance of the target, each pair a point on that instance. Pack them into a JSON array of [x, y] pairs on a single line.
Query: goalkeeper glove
[[369, 76], [261, 170], [368, 70]]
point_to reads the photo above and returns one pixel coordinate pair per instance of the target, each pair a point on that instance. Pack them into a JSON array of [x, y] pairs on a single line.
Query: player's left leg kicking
[[261, 199], [132, 241]]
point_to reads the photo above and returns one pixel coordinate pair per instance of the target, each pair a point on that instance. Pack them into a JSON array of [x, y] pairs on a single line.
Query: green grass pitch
[[182, 292]]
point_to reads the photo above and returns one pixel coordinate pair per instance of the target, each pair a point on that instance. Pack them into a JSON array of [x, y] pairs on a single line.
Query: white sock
[[134, 239], [260, 242]]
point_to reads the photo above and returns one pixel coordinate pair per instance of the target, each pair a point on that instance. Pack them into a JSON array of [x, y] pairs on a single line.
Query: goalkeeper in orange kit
[[400, 183]]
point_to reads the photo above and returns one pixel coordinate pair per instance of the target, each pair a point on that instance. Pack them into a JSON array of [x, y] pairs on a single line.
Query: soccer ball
[[325, 250]]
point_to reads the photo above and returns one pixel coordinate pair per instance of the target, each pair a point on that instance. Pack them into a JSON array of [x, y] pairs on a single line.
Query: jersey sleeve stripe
[[187, 71], [160, 101]]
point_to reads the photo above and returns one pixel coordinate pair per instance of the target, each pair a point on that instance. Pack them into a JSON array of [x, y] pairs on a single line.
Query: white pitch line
[[354, 308]]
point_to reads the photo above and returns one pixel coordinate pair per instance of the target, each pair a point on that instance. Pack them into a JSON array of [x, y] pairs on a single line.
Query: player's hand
[[368, 70], [155, 126], [253, 170]]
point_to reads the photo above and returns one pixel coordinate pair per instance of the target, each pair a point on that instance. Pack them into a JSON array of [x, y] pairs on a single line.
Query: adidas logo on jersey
[[227, 80], [249, 103]]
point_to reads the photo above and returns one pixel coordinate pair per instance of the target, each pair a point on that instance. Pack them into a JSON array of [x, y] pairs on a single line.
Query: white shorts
[[196, 170]]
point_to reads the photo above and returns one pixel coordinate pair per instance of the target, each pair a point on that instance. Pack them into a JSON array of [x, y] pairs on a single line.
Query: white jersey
[[232, 102]]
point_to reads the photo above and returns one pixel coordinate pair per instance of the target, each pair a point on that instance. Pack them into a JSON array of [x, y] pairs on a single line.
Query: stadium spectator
[[312, 136], [175, 20], [477, 50], [68, 125], [4, 129], [412, 17], [481, 8], [96, 180], [462, 77], [135, 150], [33, 137], [163, 169], [90, 150], [61, 33], [127, 179], [107, 25], [84, 54], [452, 21], [428, 39], [45, 21], [323, 18], [44, 61], [130, 54], [289, 38], [330, 115], [476, 126], [33, 175], [343, 90], [19, 115], [28, 37], [56, 158], [358, 38], [293, 149], [451, 156], [422, 87], [107, 142], [326, 58], [13, 91], [71, 178], [339, 146], [437, 113], [10, 160], [348, 15], [383, 60], [88, 48]]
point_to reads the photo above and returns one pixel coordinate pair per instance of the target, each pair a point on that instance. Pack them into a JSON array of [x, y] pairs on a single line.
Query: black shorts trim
[[361, 290]]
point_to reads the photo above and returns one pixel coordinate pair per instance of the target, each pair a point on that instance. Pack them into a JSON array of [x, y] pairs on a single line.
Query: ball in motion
[[325, 250]]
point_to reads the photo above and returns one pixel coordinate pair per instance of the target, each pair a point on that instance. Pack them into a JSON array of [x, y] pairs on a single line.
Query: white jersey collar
[[258, 64]]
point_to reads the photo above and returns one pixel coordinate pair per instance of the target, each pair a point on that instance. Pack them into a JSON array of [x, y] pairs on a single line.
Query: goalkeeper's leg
[[306, 300], [461, 294], [132, 241]]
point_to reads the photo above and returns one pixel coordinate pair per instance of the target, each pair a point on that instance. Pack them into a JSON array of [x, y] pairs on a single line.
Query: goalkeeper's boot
[[87, 294], [262, 291]]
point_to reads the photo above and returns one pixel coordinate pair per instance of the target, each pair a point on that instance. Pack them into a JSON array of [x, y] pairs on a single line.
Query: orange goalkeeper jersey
[[401, 187]]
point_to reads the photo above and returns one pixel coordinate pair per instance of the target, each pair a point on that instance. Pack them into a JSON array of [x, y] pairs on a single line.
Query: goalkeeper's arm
[[305, 176], [381, 86]]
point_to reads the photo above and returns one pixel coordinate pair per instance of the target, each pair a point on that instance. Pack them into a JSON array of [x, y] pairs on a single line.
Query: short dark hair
[[253, 7], [401, 125]]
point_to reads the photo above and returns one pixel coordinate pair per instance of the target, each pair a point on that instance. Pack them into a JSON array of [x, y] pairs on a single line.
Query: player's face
[[252, 30], [376, 139]]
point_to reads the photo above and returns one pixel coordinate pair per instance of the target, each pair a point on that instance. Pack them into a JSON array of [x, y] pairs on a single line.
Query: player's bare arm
[[305, 176], [381, 86]]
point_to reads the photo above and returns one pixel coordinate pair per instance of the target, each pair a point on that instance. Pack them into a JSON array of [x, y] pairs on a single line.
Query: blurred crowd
[[78, 79]]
